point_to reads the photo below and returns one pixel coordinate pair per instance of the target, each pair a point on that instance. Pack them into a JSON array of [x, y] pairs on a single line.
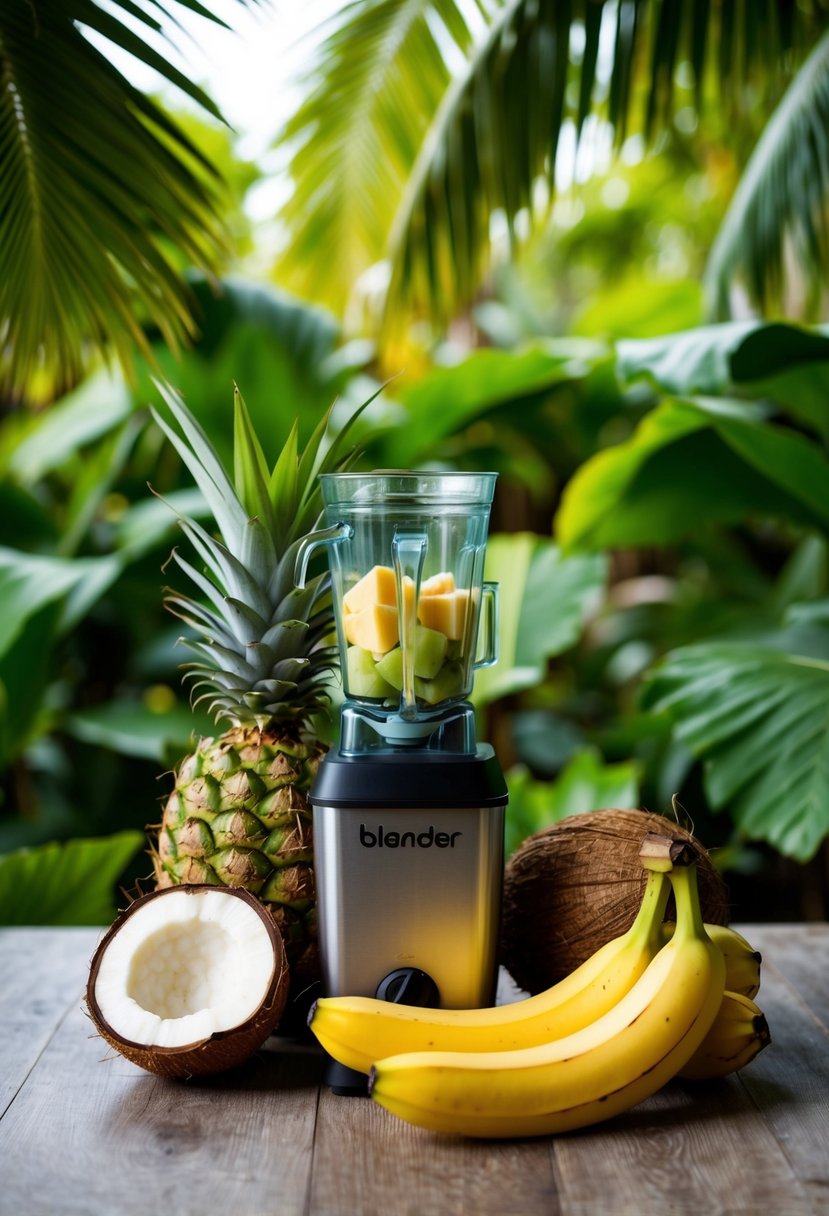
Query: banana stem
[[648, 920], [689, 921]]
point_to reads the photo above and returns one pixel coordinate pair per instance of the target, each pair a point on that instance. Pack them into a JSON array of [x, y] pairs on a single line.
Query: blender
[[408, 808]]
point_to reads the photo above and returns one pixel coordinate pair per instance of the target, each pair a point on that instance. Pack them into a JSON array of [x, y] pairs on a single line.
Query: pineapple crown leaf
[[250, 469], [229, 572], [227, 609], [198, 618], [201, 458], [283, 484]]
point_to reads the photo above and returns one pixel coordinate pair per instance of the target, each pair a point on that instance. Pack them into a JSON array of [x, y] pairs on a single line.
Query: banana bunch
[[657, 1002]]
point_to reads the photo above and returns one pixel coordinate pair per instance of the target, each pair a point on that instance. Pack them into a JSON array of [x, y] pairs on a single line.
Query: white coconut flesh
[[183, 968]]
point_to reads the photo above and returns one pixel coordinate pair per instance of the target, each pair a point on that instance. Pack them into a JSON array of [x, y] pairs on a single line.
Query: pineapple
[[239, 814]]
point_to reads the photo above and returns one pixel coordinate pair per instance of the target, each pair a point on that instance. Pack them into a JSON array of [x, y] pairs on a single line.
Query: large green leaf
[[65, 884], [544, 601], [779, 207], [714, 358], [31, 445], [688, 463], [133, 729], [256, 335], [25, 672], [784, 363], [43, 599], [29, 582], [101, 193], [446, 399], [586, 783], [759, 720]]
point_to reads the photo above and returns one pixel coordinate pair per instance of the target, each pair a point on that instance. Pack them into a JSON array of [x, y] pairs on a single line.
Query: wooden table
[[84, 1132]]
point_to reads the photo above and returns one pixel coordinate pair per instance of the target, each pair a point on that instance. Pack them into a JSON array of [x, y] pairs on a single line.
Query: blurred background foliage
[[588, 244]]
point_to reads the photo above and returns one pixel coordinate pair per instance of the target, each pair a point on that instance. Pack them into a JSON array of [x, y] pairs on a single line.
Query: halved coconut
[[189, 980]]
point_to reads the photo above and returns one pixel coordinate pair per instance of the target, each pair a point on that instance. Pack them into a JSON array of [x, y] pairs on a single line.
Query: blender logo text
[[382, 839]]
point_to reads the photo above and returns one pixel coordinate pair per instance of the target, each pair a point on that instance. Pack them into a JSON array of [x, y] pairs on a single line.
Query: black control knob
[[409, 986]]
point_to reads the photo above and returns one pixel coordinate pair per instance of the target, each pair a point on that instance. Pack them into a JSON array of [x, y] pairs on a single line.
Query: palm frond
[[782, 198], [102, 195], [381, 74], [377, 173]]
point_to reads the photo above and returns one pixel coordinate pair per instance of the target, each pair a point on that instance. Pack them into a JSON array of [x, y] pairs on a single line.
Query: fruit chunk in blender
[[363, 678], [376, 587], [373, 628], [447, 683], [445, 612], [429, 652]]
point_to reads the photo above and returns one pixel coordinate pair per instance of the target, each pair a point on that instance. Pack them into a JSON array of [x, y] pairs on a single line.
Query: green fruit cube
[[390, 668], [430, 649], [446, 685], [429, 652], [362, 676]]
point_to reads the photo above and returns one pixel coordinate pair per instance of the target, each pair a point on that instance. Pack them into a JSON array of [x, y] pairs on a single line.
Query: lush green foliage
[[429, 118], [661, 528]]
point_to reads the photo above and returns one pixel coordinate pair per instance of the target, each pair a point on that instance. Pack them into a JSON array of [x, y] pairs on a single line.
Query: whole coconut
[[579, 883]]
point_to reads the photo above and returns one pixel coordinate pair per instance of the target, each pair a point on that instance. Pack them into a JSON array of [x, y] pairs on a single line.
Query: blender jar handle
[[489, 626], [323, 536]]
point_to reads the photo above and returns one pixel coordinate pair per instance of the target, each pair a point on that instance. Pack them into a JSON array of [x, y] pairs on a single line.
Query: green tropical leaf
[[101, 194], [544, 599], [782, 198], [586, 783], [759, 720], [25, 672], [29, 582], [688, 463], [786, 364], [714, 358], [380, 76], [65, 884], [32, 445], [133, 729], [446, 399]]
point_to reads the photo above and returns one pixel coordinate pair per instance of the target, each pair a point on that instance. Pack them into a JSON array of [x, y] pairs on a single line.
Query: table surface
[[83, 1131]]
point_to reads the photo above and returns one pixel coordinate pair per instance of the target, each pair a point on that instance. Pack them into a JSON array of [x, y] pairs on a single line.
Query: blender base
[[345, 1082]]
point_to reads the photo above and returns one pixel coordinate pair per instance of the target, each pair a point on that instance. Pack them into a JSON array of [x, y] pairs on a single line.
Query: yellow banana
[[598, 1072], [739, 1032], [356, 1031], [742, 961]]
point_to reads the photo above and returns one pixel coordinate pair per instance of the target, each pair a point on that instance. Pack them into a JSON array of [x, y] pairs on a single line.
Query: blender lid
[[401, 779]]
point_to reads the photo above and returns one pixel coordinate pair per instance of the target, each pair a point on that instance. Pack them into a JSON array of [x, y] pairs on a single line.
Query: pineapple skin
[[239, 817]]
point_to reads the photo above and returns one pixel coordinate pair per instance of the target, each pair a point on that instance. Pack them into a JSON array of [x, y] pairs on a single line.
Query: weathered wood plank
[[789, 1081], [44, 972], [686, 1150], [89, 1137], [801, 954], [368, 1162]]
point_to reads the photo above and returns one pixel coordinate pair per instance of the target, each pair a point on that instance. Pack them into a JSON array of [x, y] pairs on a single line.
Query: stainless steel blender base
[[410, 888]]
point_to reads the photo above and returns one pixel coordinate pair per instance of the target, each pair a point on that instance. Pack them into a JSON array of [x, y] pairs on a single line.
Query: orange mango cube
[[446, 613], [373, 628], [438, 584], [376, 587]]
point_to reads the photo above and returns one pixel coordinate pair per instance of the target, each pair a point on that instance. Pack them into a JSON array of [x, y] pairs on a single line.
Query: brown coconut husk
[[577, 884]]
